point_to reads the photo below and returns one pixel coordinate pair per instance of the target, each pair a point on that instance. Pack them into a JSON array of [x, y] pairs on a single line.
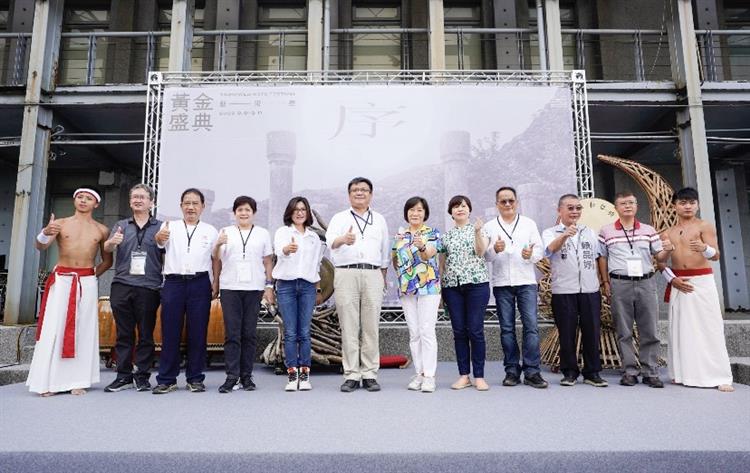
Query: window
[[286, 51], [463, 50], [74, 52], [737, 17], [376, 51]]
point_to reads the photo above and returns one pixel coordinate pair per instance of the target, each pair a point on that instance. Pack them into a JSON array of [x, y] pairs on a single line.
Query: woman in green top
[[466, 291]]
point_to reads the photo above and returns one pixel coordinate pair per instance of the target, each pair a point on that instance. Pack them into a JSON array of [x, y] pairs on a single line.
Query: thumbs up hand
[[349, 237], [116, 238], [53, 227], [222, 239], [527, 251], [162, 236], [291, 247]]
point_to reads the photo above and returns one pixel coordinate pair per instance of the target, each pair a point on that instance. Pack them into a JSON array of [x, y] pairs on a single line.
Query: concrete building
[[667, 86]]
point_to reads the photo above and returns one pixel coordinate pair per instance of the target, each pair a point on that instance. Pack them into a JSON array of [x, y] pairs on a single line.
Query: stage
[[580, 428]]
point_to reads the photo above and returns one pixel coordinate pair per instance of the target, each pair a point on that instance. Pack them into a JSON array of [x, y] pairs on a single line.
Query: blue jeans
[[467, 305], [296, 301], [507, 297]]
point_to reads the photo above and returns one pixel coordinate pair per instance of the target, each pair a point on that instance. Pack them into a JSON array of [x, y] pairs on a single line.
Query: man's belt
[[631, 278], [185, 277], [685, 273], [359, 266]]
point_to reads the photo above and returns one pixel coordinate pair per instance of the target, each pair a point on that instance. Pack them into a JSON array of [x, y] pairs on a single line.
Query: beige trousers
[[359, 296]]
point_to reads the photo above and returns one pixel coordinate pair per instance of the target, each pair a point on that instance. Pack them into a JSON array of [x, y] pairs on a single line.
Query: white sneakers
[[426, 384], [298, 380]]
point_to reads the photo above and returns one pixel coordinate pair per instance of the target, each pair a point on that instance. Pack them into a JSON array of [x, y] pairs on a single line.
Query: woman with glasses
[[466, 291], [245, 279], [299, 252], [414, 256]]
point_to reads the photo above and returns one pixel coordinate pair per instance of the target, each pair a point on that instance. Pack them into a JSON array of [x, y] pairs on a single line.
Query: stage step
[[16, 373], [740, 369]]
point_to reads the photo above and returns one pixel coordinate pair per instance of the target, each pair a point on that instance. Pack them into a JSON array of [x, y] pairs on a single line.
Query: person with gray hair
[[134, 295]]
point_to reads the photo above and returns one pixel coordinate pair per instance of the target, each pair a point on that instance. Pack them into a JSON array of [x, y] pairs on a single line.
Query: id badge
[[187, 269], [244, 272], [137, 263], [635, 267]]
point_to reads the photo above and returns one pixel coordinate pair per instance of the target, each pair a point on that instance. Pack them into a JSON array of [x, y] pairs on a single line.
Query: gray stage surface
[[505, 429]]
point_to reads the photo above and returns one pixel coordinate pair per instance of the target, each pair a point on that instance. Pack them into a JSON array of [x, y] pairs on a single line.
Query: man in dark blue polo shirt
[[134, 296]]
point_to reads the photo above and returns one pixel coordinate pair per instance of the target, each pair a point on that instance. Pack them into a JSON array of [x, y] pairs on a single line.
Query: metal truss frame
[[158, 81]]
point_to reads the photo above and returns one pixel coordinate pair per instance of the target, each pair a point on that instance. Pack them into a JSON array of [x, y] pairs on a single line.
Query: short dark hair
[[506, 188], [290, 211], [566, 196], [242, 200], [457, 200], [193, 190], [686, 193], [412, 202], [358, 180], [623, 194]]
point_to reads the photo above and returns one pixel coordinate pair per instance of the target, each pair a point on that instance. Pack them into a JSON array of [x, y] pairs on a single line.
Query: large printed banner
[[274, 142]]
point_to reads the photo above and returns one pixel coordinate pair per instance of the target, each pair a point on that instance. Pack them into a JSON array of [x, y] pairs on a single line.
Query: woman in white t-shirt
[[297, 273], [244, 280]]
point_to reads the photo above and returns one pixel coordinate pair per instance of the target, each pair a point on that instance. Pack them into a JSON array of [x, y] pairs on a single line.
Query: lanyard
[[190, 234], [627, 238], [367, 221], [140, 233], [509, 235], [245, 240]]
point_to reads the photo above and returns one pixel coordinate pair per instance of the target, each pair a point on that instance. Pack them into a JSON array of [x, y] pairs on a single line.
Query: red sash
[[685, 273], [69, 337]]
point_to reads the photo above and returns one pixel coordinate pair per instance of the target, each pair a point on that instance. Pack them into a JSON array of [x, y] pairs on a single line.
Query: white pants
[[421, 316]]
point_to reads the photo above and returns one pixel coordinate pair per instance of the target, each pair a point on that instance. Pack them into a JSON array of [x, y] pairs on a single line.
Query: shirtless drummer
[[66, 356], [697, 353]]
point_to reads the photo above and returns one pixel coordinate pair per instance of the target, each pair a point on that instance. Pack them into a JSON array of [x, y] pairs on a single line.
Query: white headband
[[90, 191]]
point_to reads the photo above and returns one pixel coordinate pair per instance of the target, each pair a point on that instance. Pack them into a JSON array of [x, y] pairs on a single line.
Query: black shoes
[[596, 381], [196, 387], [568, 381], [119, 384], [535, 381], [247, 383], [164, 388], [371, 385], [652, 381], [349, 386], [511, 380], [629, 380], [229, 385], [142, 384]]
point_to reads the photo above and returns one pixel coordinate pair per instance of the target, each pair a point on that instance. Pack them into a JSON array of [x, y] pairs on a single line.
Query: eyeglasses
[[139, 197], [574, 207], [356, 190], [627, 203], [300, 210], [506, 201]]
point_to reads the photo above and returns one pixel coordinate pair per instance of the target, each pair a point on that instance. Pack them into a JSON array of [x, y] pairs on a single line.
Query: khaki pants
[[359, 295]]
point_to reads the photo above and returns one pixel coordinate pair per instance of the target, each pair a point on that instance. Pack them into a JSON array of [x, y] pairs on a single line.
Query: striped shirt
[[618, 245]]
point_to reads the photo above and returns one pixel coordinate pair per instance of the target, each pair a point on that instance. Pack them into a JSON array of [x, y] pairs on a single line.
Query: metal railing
[[14, 58], [256, 50], [725, 54], [491, 48], [372, 49]]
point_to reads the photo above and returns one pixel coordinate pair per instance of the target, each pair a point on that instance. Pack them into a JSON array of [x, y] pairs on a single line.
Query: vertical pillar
[[181, 37], [314, 35], [437, 35], [31, 181], [691, 123], [248, 53], [281, 150], [554, 35], [455, 151], [227, 18], [707, 18], [118, 52], [21, 20], [507, 50]]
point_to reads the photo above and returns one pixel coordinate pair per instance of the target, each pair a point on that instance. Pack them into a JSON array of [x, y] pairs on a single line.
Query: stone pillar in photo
[[281, 151]]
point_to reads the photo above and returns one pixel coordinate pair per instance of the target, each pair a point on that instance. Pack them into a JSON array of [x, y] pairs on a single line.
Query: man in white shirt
[[187, 292], [360, 249], [515, 248], [573, 250]]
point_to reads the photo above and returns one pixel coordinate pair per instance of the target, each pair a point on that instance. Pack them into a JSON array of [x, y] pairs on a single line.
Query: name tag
[[137, 263], [635, 267], [244, 272]]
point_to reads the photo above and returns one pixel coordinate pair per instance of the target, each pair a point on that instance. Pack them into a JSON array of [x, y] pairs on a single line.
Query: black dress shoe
[[511, 380], [629, 380], [247, 383], [371, 385], [349, 386], [652, 381]]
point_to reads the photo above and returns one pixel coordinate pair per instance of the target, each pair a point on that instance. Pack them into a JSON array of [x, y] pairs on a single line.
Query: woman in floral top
[[415, 260], [466, 291]]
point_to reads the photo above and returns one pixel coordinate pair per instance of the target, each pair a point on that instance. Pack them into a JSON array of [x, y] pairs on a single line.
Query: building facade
[[667, 87]]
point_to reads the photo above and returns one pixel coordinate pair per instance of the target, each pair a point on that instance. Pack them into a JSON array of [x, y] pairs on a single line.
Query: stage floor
[[509, 429]]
